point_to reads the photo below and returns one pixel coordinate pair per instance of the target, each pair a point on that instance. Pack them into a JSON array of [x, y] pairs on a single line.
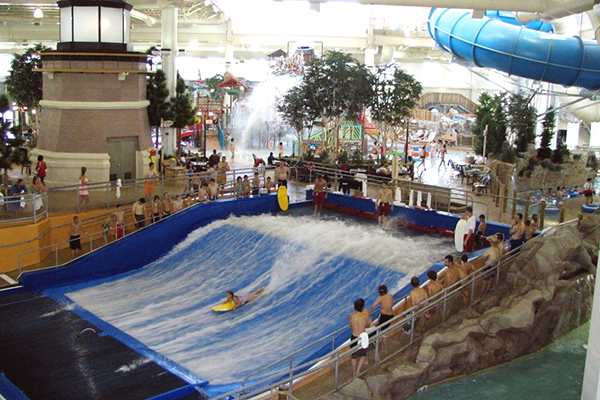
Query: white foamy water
[[312, 270]]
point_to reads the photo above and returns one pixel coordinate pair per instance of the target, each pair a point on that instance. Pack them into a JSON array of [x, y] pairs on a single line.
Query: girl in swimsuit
[[242, 299]]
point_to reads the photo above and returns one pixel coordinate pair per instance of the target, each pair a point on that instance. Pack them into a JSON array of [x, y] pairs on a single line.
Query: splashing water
[[256, 119], [312, 271]]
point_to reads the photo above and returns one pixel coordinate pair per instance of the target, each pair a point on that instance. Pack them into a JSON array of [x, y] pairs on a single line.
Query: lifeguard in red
[[384, 203]]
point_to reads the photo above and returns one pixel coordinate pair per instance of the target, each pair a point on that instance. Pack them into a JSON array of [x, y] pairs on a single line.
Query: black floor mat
[[51, 353]]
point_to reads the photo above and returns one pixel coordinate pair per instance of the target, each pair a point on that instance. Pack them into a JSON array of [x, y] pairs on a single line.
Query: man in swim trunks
[[417, 296], [282, 173], [75, 238], [518, 232], [359, 321], [244, 298], [451, 274], [150, 177], [320, 194], [384, 203], [386, 311]]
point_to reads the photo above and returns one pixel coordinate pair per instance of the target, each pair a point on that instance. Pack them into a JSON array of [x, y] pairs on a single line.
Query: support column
[[591, 375], [572, 135], [169, 53]]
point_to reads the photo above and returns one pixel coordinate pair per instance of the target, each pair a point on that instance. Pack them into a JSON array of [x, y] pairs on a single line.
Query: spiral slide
[[526, 51]]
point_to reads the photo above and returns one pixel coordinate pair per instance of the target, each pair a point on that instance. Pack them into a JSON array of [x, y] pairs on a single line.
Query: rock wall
[[573, 173], [547, 293]]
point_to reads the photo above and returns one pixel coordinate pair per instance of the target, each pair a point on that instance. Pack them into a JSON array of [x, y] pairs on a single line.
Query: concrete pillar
[[572, 135], [169, 52], [229, 56], [595, 135], [370, 57], [591, 375]]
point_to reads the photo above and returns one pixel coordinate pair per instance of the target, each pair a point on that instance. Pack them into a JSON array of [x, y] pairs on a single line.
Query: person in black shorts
[[359, 322]]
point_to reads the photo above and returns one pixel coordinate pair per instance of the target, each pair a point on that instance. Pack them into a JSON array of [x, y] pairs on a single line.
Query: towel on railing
[[119, 184]]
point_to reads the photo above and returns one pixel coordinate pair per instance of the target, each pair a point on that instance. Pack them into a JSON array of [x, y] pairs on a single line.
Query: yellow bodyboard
[[282, 198], [227, 306]]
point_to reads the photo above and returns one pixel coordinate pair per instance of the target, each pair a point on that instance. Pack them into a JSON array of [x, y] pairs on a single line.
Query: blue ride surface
[[153, 290]]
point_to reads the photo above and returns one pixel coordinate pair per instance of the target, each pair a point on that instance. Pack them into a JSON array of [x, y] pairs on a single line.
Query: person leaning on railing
[[138, 209]]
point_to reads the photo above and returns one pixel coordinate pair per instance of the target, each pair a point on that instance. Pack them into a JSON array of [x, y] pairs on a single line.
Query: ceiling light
[[38, 13]]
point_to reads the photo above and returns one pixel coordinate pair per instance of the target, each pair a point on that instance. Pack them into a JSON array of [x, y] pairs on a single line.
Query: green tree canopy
[[521, 117], [548, 125], [296, 111], [23, 84], [335, 87], [210, 85], [490, 113], [181, 108], [395, 95], [157, 94], [9, 153]]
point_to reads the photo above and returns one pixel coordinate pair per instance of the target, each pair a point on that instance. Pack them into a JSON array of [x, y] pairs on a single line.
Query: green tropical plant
[[395, 95], [157, 94], [521, 116], [23, 84], [561, 154], [490, 113], [210, 85], [181, 108], [296, 111], [548, 124], [334, 88], [9, 148]]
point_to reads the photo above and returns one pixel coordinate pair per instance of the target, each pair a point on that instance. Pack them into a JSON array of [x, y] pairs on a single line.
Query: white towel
[[119, 188]]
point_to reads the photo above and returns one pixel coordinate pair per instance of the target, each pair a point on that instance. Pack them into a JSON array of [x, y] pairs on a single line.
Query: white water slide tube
[[517, 50]]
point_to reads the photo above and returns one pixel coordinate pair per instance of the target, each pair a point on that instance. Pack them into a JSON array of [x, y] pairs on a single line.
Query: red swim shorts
[[319, 198], [384, 209]]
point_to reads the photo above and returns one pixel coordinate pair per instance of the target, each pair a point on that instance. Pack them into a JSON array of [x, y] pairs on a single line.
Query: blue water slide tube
[[509, 18], [221, 135], [517, 50]]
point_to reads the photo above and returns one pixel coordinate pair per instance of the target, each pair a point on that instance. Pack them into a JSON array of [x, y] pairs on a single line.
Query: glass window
[[86, 24], [66, 33]]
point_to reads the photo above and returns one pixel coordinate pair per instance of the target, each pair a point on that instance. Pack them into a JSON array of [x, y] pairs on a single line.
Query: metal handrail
[[29, 199], [409, 315], [437, 191]]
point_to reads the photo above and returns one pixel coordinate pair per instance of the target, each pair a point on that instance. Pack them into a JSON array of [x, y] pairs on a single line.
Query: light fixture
[[38, 13]]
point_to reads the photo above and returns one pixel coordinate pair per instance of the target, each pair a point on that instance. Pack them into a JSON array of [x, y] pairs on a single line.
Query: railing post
[[336, 371], [107, 194], [19, 262], [78, 200], [33, 208], [497, 273], [444, 307], [472, 290], [91, 242], [514, 205], [291, 384], [377, 347], [527, 205], [505, 199], [412, 328], [542, 213], [55, 255]]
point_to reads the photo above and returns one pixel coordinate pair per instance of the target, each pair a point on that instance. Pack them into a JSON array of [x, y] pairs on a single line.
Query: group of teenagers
[[456, 269]]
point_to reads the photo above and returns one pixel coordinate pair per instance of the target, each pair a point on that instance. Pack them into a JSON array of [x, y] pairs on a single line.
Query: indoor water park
[[363, 200]]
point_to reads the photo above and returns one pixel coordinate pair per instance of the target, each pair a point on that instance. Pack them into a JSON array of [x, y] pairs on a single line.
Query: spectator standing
[[84, 194], [41, 168], [138, 209]]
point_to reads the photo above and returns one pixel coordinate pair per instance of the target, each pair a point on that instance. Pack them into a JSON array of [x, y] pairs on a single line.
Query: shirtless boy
[[384, 203], [451, 275], [417, 296], [386, 310], [359, 322], [270, 185], [320, 194], [75, 238], [213, 190], [517, 231], [282, 173]]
